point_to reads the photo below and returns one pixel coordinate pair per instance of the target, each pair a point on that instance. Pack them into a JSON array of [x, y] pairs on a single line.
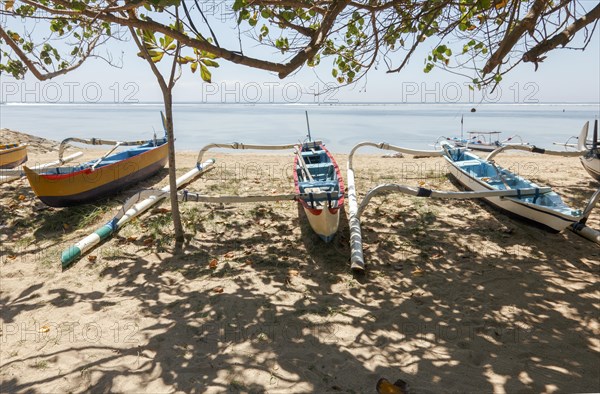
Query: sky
[[565, 76]]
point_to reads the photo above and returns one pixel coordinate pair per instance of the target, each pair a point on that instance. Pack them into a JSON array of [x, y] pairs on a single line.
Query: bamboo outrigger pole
[[239, 145], [357, 260], [132, 208]]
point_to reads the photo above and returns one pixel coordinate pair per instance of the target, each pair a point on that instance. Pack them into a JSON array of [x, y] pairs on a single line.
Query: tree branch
[[34, 68], [562, 38], [513, 36], [282, 69]]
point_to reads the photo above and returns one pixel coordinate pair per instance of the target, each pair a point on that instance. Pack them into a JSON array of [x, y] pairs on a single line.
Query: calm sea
[[341, 125]]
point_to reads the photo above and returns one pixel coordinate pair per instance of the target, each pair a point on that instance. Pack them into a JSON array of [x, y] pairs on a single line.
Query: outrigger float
[[484, 179]]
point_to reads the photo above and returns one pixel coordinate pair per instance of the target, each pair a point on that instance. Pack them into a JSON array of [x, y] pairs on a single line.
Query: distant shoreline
[[339, 104]]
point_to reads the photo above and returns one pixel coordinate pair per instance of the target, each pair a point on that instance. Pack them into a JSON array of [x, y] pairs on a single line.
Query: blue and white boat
[[591, 159], [545, 208]]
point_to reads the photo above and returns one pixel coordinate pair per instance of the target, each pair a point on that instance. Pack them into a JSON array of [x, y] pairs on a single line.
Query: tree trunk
[[168, 99]]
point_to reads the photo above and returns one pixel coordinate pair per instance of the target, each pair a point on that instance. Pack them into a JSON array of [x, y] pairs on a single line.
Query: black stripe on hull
[[13, 164], [512, 214], [105, 190]]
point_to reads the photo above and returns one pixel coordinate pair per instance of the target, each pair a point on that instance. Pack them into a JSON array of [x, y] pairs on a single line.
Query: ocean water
[[340, 126]]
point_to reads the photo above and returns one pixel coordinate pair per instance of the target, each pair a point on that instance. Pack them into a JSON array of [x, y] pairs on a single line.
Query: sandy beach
[[457, 297]]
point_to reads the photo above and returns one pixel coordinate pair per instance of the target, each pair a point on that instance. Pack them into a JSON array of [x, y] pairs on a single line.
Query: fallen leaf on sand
[[229, 255], [131, 239], [148, 241], [21, 197], [12, 257], [218, 289], [92, 258], [418, 272], [161, 210], [213, 264]]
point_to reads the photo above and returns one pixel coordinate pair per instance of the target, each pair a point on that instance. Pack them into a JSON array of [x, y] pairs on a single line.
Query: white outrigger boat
[[544, 207], [590, 158], [484, 179]]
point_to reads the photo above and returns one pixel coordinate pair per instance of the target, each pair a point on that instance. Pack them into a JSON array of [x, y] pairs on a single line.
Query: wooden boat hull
[[543, 216], [591, 163], [323, 216], [12, 155], [324, 222], [85, 186]]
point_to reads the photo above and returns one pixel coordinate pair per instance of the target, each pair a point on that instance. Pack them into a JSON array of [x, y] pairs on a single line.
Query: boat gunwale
[[88, 170], [12, 149]]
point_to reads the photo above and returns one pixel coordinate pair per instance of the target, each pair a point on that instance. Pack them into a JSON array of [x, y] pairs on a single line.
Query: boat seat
[[467, 163], [320, 165], [314, 157], [315, 153], [317, 186], [321, 171]]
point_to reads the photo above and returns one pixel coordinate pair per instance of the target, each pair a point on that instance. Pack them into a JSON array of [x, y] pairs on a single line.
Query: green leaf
[[210, 63], [194, 67], [158, 58], [205, 73]]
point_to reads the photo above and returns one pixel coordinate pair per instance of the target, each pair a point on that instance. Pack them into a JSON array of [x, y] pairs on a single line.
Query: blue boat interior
[[324, 176], [111, 159], [502, 179]]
